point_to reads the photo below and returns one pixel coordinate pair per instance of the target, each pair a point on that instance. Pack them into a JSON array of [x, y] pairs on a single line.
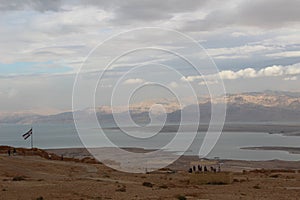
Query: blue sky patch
[[21, 68]]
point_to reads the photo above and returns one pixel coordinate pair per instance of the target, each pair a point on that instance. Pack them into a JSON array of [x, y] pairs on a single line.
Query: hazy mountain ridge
[[264, 99], [269, 106], [18, 117], [145, 106]]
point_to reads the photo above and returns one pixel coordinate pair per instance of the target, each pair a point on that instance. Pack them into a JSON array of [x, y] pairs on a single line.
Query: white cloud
[[243, 51], [208, 82], [285, 54], [271, 71], [63, 33], [65, 36], [265, 14], [133, 81], [173, 84], [190, 78], [293, 78], [293, 69]]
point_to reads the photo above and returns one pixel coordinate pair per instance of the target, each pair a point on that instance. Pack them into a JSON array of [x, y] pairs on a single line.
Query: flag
[[27, 135]]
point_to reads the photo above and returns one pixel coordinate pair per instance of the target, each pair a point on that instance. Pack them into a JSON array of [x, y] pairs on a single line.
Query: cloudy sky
[[254, 44]]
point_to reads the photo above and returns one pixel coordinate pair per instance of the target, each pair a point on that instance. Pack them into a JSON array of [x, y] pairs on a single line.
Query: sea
[[228, 146]]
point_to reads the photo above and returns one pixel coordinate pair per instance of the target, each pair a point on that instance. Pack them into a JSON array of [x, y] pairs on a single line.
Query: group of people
[[13, 152], [200, 168]]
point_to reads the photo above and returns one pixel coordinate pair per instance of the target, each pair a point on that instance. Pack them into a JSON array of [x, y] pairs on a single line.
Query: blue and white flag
[[27, 134]]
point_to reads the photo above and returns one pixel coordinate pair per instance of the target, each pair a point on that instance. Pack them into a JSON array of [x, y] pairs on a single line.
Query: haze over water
[[51, 136]]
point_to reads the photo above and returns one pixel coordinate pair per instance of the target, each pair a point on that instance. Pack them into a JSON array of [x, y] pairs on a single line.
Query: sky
[[255, 46]]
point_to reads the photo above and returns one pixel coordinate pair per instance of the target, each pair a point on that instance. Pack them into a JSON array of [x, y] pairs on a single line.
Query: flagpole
[[32, 138], [27, 135]]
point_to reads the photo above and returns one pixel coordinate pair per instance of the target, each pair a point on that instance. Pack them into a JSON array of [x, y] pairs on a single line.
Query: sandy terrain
[[34, 176]]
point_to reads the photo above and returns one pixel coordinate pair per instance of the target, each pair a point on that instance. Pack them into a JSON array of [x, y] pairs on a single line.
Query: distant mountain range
[[268, 106]]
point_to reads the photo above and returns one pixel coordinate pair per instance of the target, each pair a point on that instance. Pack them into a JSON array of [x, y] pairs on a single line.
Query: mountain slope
[[268, 106]]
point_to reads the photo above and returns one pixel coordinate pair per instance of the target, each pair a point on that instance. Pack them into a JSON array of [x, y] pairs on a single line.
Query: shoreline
[[291, 150], [284, 129], [184, 162]]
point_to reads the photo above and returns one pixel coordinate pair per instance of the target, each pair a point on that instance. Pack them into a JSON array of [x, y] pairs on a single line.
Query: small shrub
[[275, 175], [163, 186], [216, 183], [106, 176], [121, 189], [40, 198], [147, 184], [181, 197], [256, 187], [18, 178]]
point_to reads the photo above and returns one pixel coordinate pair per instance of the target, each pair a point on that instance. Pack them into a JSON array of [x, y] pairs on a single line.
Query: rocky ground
[[38, 177]]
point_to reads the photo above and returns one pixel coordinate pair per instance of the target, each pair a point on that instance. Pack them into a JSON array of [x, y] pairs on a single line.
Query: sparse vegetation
[[256, 187], [121, 188], [106, 175], [181, 197], [222, 178], [147, 184], [163, 186], [216, 183], [18, 178], [275, 175], [108, 184]]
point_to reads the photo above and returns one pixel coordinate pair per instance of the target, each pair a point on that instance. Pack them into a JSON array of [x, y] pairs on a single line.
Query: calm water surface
[[227, 147]]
